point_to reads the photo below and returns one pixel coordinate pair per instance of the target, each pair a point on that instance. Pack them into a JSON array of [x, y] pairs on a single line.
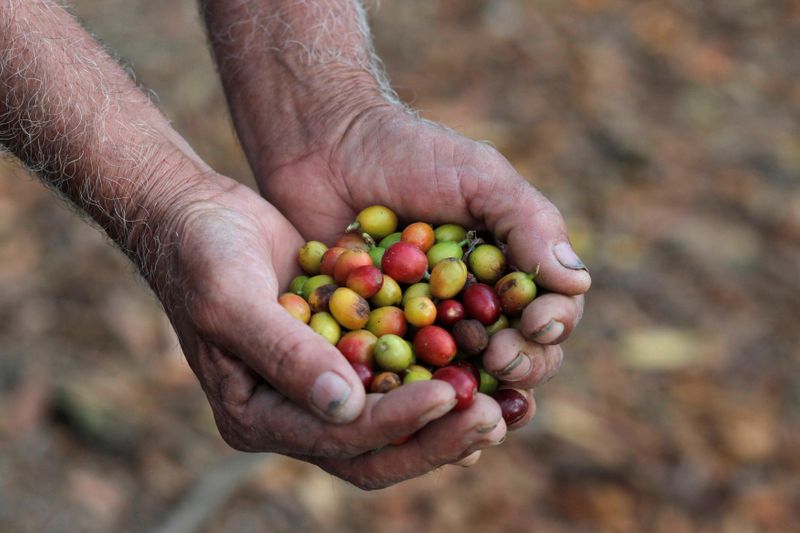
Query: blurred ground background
[[666, 131]]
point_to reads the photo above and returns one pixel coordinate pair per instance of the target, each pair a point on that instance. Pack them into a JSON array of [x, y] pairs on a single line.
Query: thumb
[[533, 228], [297, 362]]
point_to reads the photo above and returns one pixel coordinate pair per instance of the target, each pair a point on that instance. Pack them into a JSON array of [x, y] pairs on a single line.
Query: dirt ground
[[667, 133]]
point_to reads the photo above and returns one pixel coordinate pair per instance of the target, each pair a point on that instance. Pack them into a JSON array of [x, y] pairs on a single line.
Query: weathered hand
[[384, 155], [272, 382]]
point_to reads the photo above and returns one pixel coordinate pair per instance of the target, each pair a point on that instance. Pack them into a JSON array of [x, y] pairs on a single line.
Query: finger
[[274, 424], [450, 439], [531, 225], [469, 460], [519, 362], [529, 414], [550, 318], [294, 359]]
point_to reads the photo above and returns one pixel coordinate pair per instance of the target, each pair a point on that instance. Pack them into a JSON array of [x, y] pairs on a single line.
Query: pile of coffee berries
[[412, 305]]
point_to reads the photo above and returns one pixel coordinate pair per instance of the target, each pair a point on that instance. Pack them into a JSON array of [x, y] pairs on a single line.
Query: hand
[[272, 382], [384, 155]]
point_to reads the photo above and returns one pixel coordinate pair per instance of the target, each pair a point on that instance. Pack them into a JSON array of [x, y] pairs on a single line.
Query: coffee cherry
[[376, 220], [325, 325], [481, 303], [389, 293], [390, 239], [413, 354], [320, 298], [416, 373], [330, 258], [420, 311], [358, 347], [352, 241], [404, 262], [310, 256], [384, 382], [386, 320], [364, 373], [448, 312], [471, 367], [316, 281], [392, 353], [500, 323], [442, 250], [365, 280], [434, 345], [349, 261], [296, 306], [487, 262], [419, 234], [512, 403], [448, 278], [296, 286], [450, 232], [417, 289], [488, 383], [376, 254], [348, 308], [471, 337], [515, 291], [464, 383]]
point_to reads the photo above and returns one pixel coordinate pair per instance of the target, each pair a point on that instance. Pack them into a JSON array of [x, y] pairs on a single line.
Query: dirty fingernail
[[517, 369], [330, 393], [567, 257], [549, 333]]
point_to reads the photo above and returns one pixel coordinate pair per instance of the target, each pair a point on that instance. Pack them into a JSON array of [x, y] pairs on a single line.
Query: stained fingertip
[[567, 257]]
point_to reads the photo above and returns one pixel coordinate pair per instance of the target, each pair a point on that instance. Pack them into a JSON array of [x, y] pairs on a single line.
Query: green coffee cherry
[[392, 353], [296, 286], [316, 281], [502, 323], [310, 256], [390, 239], [416, 373], [450, 232], [442, 250], [488, 382], [390, 293], [487, 262], [417, 289], [325, 325], [376, 254]]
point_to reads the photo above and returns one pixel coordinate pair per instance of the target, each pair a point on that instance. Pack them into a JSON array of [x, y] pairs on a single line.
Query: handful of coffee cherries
[[412, 305]]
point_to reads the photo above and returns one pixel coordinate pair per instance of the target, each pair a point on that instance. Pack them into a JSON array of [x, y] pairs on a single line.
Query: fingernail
[[437, 412], [485, 429], [567, 257], [330, 393], [517, 369], [549, 333]]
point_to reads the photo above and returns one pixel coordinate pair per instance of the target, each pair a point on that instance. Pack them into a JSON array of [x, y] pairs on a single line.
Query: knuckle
[[285, 349]]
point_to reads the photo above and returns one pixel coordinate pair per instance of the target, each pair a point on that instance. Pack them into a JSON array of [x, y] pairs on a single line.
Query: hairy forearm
[[294, 72], [73, 116]]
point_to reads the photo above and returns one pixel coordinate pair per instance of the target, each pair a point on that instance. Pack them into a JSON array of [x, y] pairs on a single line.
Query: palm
[[389, 158]]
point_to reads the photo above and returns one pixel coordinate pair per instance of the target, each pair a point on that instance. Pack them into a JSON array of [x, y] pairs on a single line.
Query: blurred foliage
[[667, 132]]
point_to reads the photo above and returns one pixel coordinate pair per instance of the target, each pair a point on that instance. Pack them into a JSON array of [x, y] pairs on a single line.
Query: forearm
[[72, 115], [295, 72]]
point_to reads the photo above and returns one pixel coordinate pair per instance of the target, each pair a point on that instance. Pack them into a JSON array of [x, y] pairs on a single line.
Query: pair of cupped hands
[[275, 385]]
